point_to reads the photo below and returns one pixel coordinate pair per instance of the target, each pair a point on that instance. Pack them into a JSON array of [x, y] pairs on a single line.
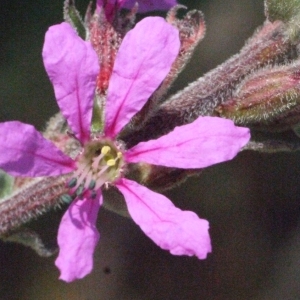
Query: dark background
[[252, 202]]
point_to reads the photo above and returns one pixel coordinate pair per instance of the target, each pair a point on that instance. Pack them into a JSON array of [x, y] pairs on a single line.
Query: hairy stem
[[36, 198]]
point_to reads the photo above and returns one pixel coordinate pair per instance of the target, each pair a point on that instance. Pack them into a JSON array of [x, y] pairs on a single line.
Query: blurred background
[[252, 202]]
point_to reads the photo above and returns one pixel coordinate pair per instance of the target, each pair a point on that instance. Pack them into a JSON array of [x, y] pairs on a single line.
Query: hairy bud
[[281, 10], [268, 97]]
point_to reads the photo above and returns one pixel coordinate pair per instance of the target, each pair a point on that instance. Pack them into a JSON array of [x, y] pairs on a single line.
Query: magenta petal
[[110, 7], [180, 232], [99, 4], [144, 5], [77, 239], [143, 61], [72, 66], [111, 3], [25, 152], [206, 141], [150, 5]]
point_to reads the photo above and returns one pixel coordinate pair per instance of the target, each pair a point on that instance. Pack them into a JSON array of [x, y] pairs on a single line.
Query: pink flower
[[111, 6], [144, 5], [143, 61]]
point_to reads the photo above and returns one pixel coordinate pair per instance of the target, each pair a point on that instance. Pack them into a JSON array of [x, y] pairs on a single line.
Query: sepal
[[72, 16]]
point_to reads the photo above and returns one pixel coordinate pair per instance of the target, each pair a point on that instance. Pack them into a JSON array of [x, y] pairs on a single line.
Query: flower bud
[[281, 10], [288, 12], [269, 97]]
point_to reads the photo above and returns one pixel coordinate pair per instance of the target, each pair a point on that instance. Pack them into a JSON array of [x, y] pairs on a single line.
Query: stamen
[[105, 150], [72, 182], [82, 176], [102, 171], [100, 162], [80, 169], [88, 179], [66, 198], [92, 184], [111, 162], [79, 191], [100, 182], [101, 179], [96, 161]]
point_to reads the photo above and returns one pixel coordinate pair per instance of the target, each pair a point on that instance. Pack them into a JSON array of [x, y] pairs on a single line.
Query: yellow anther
[[111, 162], [119, 154], [105, 150]]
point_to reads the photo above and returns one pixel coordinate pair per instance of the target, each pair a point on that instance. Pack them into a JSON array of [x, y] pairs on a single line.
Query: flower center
[[100, 162]]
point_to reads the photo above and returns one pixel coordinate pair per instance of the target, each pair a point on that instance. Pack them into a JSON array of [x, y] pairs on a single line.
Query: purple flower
[[144, 5], [111, 6], [143, 61]]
